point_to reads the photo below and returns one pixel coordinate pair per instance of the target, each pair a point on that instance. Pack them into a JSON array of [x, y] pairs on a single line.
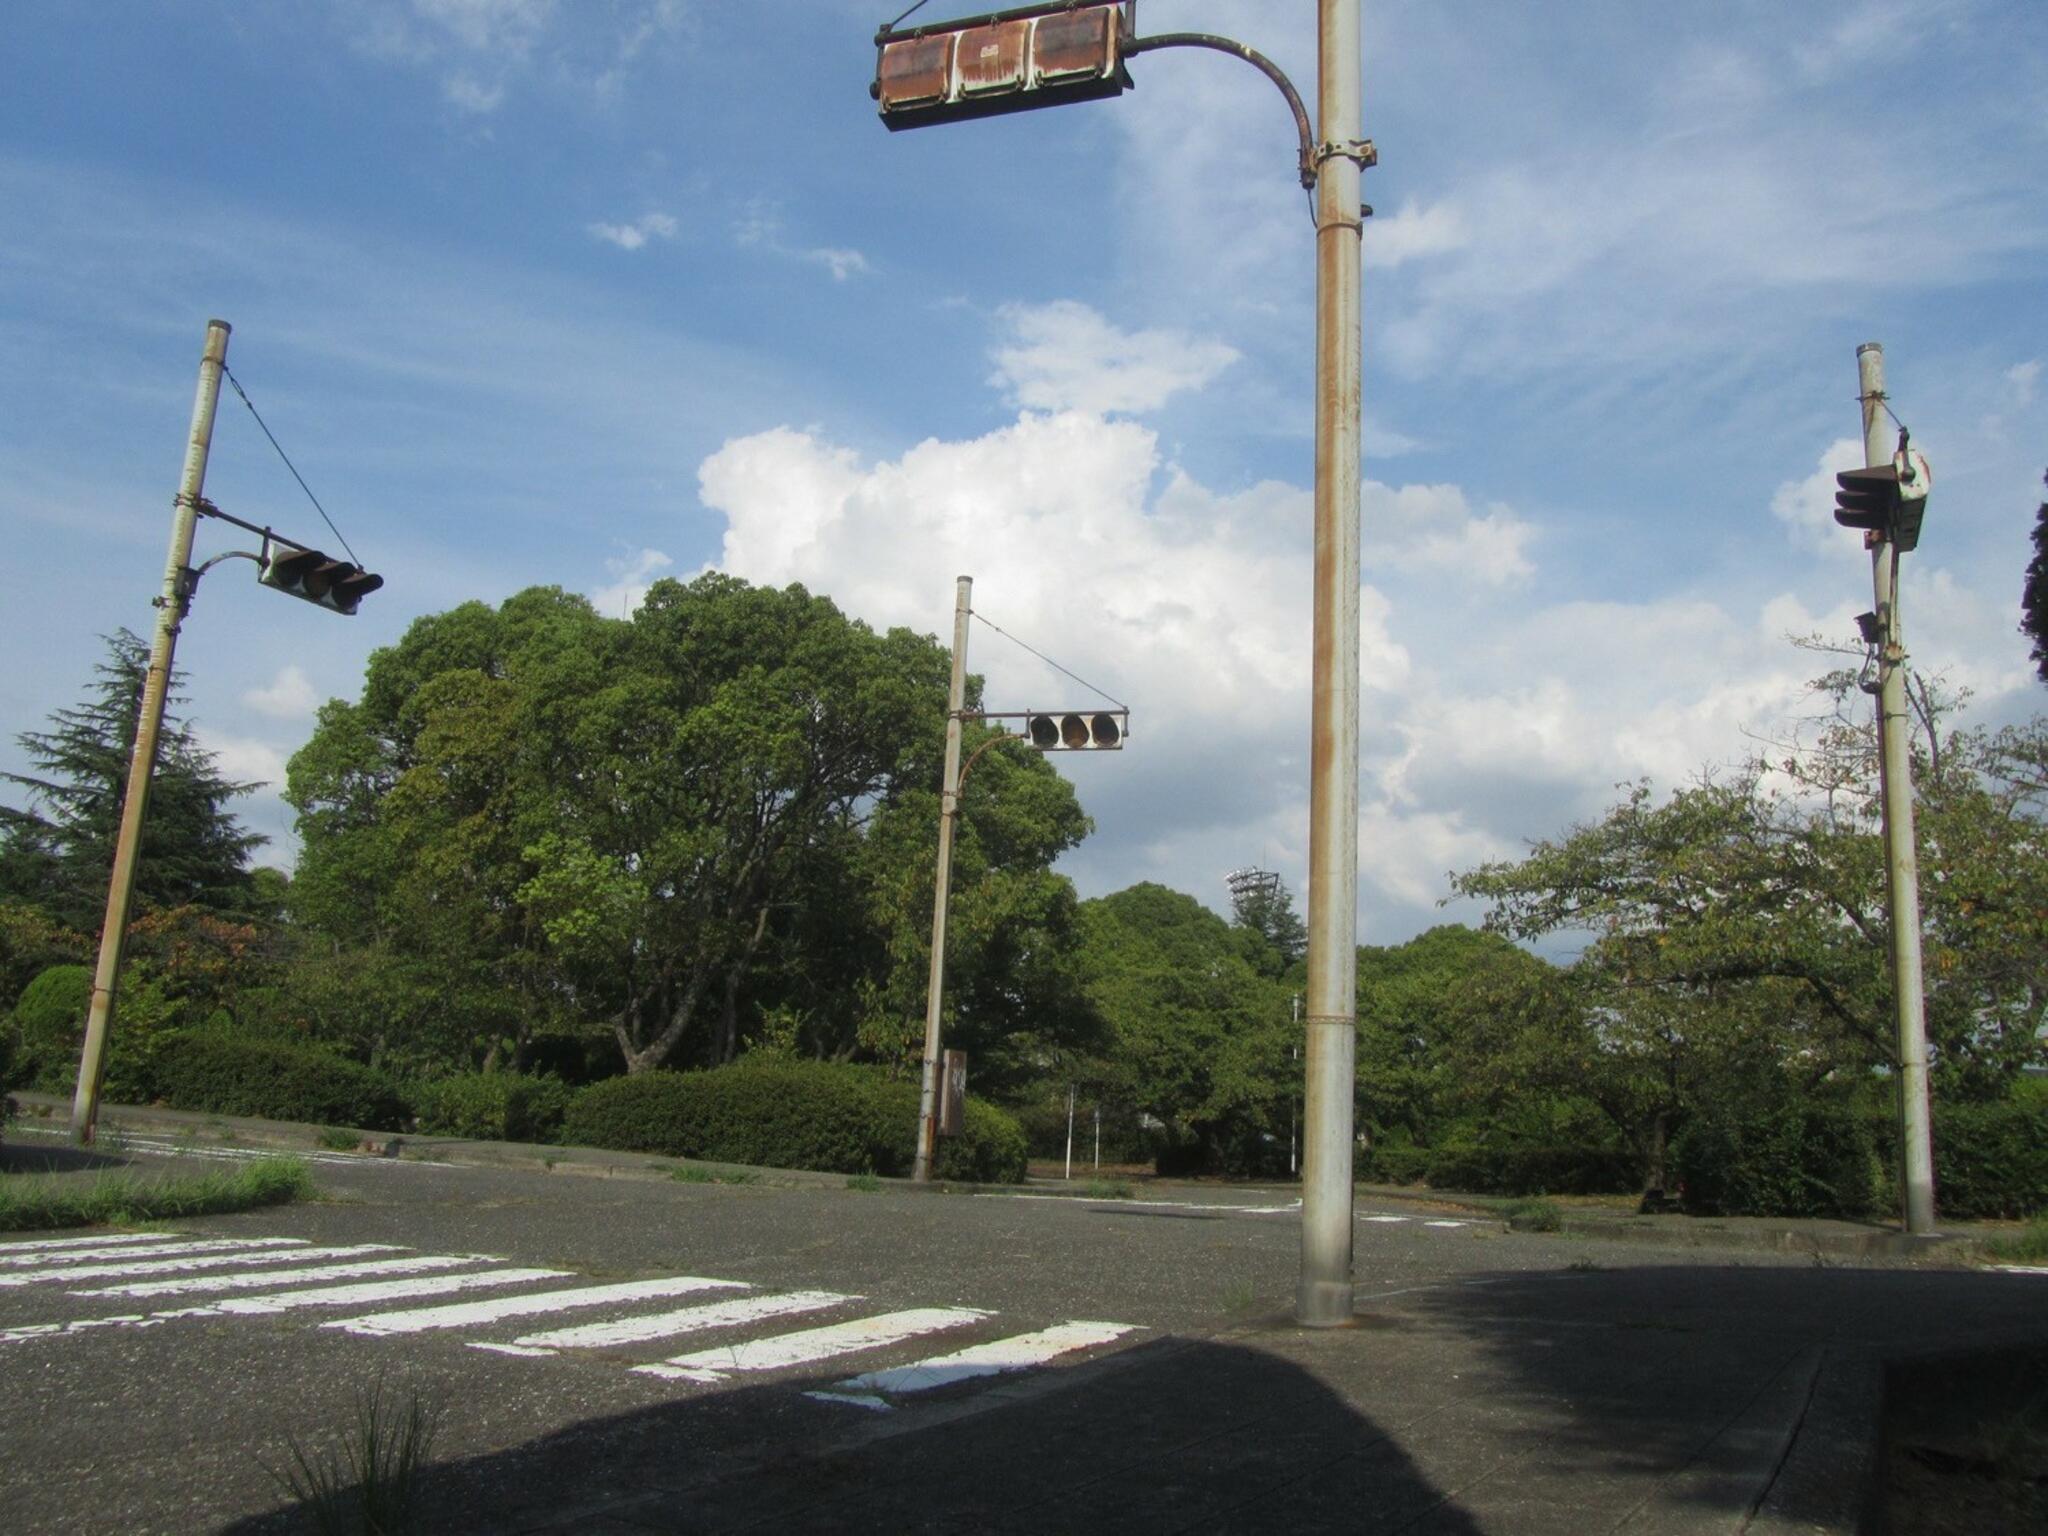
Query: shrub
[[1510, 1167], [225, 1072], [1761, 1147], [830, 1116], [492, 1106], [1991, 1160], [51, 1018]]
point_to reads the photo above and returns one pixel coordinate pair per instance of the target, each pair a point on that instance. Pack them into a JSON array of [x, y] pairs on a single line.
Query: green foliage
[[2029, 1247], [226, 1072], [1764, 1145], [1533, 1216], [832, 1117], [56, 852], [492, 1106], [51, 1019], [1991, 1160], [2034, 595], [712, 819], [31, 941], [31, 1202]]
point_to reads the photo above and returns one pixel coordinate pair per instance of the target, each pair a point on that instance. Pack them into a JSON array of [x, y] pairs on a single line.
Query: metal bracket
[[1360, 150]]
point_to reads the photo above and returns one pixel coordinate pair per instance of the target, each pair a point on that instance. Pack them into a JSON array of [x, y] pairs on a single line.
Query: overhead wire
[[237, 383], [977, 614]]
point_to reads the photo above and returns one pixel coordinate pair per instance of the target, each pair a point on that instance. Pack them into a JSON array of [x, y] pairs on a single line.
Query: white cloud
[[2024, 379], [489, 26], [1413, 231], [244, 759], [1423, 527], [472, 95], [841, 263], [1807, 506], [289, 696], [630, 580], [631, 237], [760, 227], [1064, 356]]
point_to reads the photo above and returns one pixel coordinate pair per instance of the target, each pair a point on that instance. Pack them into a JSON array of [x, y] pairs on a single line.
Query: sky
[[585, 294]]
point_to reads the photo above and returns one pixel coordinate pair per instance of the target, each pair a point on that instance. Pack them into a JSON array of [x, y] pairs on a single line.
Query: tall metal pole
[[1324, 1297], [171, 605], [949, 812], [1901, 859]]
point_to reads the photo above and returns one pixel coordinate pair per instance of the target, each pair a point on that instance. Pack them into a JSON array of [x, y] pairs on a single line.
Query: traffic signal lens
[[1103, 729], [1045, 732], [1074, 731]]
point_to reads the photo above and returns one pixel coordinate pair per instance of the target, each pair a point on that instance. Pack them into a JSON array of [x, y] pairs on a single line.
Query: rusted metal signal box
[[1006, 61]]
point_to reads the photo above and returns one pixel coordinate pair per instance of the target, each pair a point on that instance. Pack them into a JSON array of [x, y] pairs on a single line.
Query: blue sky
[[585, 293]]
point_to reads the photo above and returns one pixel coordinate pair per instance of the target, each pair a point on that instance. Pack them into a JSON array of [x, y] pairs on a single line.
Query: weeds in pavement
[[2029, 1246], [717, 1176], [30, 1202], [1106, 1189], [368, 1483], [866, 1183], [1238, 1296], [1530, 1215], [337, 1138]]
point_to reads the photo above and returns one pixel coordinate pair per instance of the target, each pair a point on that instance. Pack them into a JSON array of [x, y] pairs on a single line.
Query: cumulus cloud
[[760, 227], [244, 759], [288, 696], [1423, 527], [1807, 506], [1413, 231], [1064, 356], [631, 577], [632, 236]]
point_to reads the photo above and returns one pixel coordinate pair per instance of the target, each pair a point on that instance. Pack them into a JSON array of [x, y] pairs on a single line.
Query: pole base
[[1323, 1304]]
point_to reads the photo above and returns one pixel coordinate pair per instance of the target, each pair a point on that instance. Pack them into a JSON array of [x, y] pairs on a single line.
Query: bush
[[829, 1116], [492, 1106], [225, 1072], [1510, 1167], [1990, 1160], [1763, 1148], [51, 1018]]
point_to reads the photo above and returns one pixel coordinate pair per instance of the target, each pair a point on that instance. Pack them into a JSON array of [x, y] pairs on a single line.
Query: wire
[[891, 26], [289, 465], [1119, 703]]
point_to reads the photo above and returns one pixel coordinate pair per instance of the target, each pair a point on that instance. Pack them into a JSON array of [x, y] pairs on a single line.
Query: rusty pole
[[1901, 860], [171, 605], [1324, 1298], [949, 813]]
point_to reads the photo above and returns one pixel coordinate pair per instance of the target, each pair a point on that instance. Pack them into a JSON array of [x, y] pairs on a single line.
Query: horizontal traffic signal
[[1006, 61], [317, 578], [1076, 732], [1887, 499]]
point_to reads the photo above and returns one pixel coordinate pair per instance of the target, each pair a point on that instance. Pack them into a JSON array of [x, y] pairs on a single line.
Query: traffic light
[[1008, 61], [1888, 499], [316, 577], [1076, 732]]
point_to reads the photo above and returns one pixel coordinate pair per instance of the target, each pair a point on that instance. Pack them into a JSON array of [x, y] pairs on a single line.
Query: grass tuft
[[1530, 1215], [369, 1481], [714, 1176], [2029, 1246], [866, 1183], [1106, 1189], [33, 1202], [336, 1138]]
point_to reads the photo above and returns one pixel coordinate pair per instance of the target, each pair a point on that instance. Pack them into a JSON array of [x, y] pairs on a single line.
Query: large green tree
[[2034, 595], [705, 823], [57, 850]]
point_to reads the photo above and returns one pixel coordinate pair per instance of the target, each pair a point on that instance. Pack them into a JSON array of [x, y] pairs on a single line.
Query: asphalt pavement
[[615, 1350]]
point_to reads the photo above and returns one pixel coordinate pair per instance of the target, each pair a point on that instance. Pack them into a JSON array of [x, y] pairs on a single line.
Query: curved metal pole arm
[[960, 785], [1258, 61]]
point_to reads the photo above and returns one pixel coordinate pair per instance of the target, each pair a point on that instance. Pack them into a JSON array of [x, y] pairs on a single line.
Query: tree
[[58, 851], [2034, 595], [683, 824], [1275, 937]]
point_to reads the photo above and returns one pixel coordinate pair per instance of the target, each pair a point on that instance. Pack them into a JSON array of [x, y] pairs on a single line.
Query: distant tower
[[1248, 885]]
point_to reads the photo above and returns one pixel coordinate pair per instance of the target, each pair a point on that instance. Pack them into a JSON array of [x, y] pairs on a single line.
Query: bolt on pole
[[1324, 1297], [1901, 859], [949, 813], [171, 605]]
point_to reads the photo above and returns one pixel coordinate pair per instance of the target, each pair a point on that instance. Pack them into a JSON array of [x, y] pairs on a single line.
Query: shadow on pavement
[[46, 1158], [1170, 1436]]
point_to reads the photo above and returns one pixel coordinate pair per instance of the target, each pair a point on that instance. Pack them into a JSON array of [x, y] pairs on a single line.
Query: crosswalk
[[729, 1330]]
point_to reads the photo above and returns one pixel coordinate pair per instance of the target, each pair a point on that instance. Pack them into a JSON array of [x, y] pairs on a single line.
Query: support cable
[[1119, 703], [289, 465]]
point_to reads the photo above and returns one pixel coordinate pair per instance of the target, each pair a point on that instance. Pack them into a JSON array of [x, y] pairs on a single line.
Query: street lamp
[[340, 587], [1048, 54]]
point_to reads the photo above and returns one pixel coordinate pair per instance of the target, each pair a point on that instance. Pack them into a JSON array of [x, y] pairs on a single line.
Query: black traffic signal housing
[[315, 577], [1889, 499], [1076, 731]]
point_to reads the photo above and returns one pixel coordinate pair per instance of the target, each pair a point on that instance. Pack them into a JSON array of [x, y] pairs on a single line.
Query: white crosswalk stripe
[[185, 1263], [405, 1296], [470, 1314], [812, 1344], [16, 1263]]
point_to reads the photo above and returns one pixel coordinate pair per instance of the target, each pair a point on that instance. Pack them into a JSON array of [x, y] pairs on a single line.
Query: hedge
[[830, 1116], [492, 1106], [1764, 1148], [1990, 1160], [225, 1072], [51, 1017]]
